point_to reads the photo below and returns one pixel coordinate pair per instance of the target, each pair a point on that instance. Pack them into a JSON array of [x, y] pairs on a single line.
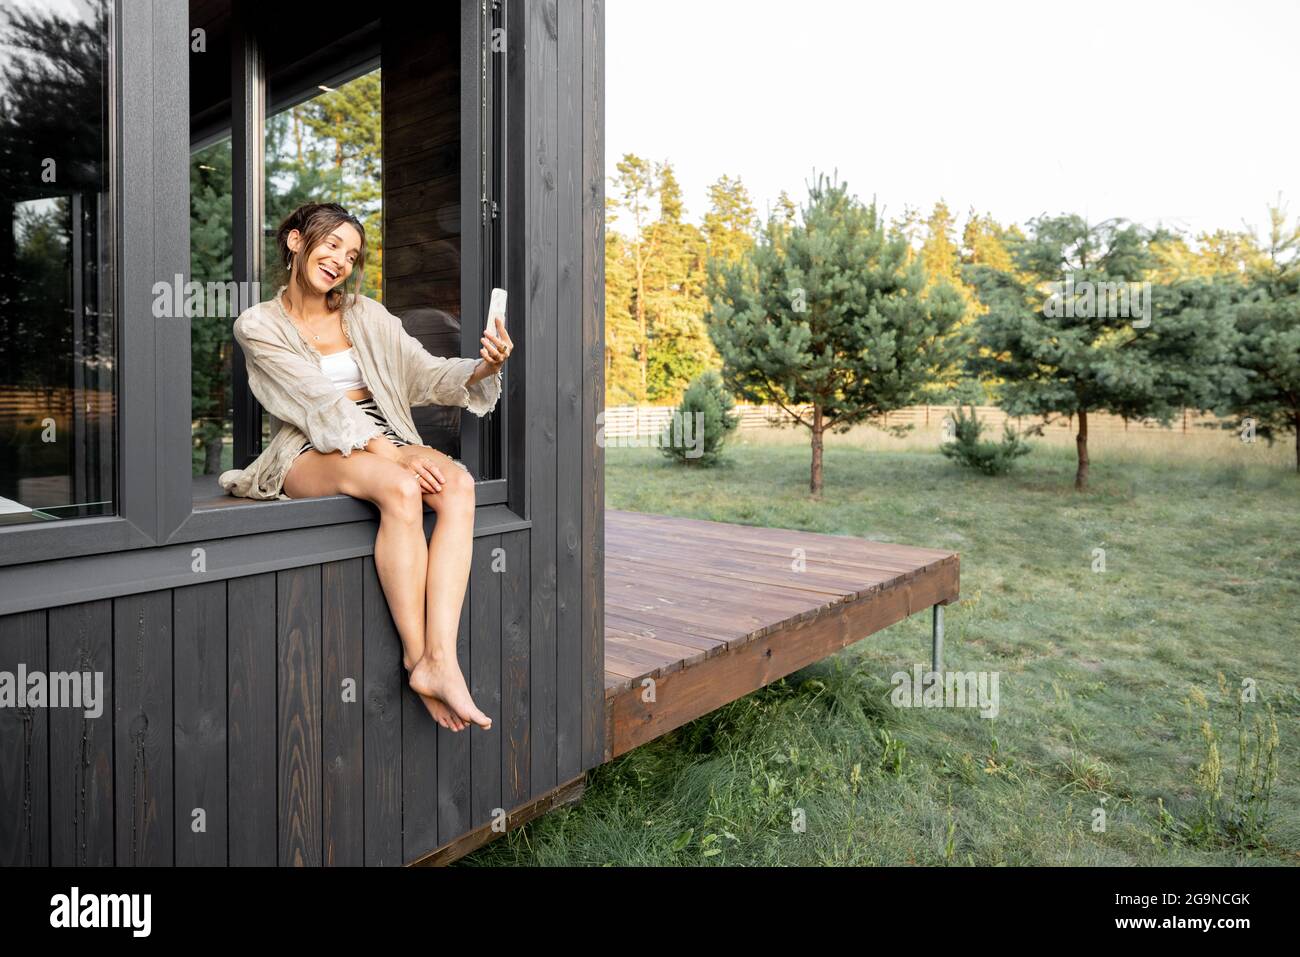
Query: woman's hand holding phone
[[497, 344], [496, 348]]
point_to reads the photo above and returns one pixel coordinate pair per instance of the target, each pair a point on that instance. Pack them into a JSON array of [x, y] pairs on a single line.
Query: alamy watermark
[[58, 689], [77, 909], [681, 432], [1100, 300], [948, 689], [178, 299]]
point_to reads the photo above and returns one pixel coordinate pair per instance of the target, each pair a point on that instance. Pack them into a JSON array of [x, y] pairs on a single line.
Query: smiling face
[[331, 262]]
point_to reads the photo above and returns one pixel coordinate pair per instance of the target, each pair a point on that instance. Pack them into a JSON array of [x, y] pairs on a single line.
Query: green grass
[[1108, 681]]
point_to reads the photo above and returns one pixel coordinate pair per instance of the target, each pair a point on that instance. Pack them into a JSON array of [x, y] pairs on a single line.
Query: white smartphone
[[496, 307]]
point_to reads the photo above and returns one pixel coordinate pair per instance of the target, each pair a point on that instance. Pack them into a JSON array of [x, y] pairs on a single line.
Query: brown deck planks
[[712, 611]]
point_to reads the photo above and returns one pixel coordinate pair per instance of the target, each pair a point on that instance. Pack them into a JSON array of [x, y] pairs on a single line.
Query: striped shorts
[[371, 408]]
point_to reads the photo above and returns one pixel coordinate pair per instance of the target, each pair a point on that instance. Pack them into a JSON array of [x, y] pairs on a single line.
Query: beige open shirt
[[284, 372]]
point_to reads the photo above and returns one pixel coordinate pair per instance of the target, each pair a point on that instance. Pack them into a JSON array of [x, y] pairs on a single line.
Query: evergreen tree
[[635, 186], [941, 258], [786, 212], [622, 373], [1222, 254], [829, 313], [678, 347], [910, 227], [664, 269], [1062, 351], [1267, 322], [701, 424], [730, 225], [984, 242], [939, 253]]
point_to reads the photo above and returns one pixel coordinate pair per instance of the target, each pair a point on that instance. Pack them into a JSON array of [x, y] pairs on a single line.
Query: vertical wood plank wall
[[260, 720], [266, 719]]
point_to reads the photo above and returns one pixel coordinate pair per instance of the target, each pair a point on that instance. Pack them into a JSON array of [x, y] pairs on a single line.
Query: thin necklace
[[302, 322], [343, 324]]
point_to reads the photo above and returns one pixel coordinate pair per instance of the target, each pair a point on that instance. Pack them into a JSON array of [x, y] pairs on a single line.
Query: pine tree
[[1267, 322], [662, 259], [1062, 351], [678, 347], [1223, 254], [939, 253], [730, 225], [941, 258], [984, 242], [622, 373], [786, 212], [828, 312], [635, 187]]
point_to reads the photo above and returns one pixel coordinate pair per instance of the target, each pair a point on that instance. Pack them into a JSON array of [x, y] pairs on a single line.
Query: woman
[[341, 373]]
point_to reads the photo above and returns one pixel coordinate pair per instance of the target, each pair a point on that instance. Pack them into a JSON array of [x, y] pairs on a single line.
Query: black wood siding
[[264, 720]]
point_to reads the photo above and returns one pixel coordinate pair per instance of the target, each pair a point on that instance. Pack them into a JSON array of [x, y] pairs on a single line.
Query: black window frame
[[149, 192], [484, 260]]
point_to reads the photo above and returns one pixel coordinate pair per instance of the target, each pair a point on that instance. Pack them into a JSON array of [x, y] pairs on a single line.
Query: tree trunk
[[213, 447], [1081, 443], [815, 483], [1295, 424], [642, 350]]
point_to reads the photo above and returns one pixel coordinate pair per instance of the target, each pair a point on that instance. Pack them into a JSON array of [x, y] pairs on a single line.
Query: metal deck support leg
[[938, 639]]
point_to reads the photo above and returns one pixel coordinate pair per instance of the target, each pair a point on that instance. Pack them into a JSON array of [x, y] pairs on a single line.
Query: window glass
[[57, 331], [329, 138], [211, 343], [325, 148]]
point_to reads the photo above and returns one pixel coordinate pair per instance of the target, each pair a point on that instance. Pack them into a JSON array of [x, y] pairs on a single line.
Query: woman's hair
[[315, 221]]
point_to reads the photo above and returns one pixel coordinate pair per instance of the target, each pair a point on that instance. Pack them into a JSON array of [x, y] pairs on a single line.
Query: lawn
[[1112, 683]]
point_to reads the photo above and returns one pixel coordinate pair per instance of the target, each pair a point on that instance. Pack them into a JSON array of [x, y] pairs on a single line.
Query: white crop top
[[343, 370]]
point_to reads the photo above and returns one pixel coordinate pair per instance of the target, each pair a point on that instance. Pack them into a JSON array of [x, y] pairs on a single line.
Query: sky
[[1177, 113]]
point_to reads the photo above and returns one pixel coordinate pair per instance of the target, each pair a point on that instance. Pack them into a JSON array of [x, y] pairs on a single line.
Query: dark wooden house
[[225, 628]]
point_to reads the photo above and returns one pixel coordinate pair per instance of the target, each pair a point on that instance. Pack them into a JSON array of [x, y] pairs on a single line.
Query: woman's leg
[[451, 549], [401, 553]]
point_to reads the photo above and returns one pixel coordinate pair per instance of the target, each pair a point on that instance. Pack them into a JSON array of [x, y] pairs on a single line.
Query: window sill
[[217, 514]]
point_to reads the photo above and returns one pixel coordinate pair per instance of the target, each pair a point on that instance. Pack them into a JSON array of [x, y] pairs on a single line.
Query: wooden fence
[[626, 421], [19, 402]]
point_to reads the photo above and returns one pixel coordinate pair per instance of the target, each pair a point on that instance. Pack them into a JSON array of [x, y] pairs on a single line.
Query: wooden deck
[[712, 611]]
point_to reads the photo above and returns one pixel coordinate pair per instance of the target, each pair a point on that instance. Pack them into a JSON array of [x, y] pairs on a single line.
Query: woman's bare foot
[[443, 714], [439, 709], [446, 683]]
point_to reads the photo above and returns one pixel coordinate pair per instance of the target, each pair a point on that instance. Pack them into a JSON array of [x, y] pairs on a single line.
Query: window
[[118, 408], [57, 330], [325, 148], [389, 147], [492, 216], [211, 346]]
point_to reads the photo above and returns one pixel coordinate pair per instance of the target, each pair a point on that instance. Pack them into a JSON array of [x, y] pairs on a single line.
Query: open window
[[286, 109]]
